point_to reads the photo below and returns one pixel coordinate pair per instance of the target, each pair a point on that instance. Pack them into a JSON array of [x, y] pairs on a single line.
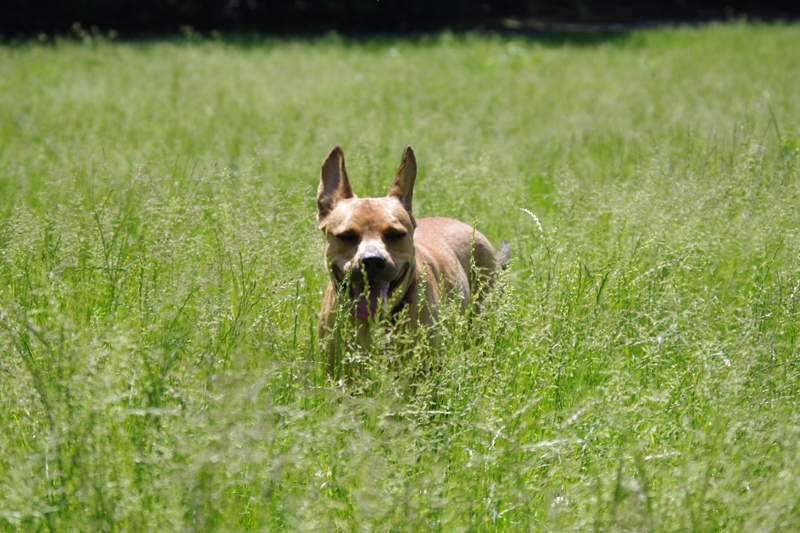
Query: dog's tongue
[[367, 301]]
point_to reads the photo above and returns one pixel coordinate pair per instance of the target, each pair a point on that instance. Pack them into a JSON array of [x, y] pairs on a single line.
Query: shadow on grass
[[548, 35], [548, 38]]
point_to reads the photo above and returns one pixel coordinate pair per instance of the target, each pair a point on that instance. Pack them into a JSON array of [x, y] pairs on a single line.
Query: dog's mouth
[[367, 298]]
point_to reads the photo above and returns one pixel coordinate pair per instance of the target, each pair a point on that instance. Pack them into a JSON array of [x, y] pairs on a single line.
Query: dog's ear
[[403, 186], [333, 184]]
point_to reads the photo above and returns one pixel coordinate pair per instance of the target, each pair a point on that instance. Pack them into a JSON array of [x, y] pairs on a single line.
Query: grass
[[160, 279]]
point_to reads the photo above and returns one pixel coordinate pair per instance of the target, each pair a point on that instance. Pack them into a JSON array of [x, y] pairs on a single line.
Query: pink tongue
[[367, 303]]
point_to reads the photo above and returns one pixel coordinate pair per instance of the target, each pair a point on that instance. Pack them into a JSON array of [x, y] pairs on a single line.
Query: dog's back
[[449, 249]]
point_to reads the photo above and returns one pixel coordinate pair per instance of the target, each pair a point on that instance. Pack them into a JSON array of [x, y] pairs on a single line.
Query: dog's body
[[381, 260]]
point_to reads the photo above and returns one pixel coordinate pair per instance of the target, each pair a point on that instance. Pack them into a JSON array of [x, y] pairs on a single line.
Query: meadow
[[161, 276]]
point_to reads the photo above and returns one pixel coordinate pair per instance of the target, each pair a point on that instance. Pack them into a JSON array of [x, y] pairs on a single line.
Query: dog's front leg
[[345, 340]]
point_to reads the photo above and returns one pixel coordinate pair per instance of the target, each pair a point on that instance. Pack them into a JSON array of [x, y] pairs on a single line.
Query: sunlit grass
[[161, 275]]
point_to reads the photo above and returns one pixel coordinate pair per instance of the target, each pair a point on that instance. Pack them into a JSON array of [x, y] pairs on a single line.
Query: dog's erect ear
[[403, 186], [333, 184]]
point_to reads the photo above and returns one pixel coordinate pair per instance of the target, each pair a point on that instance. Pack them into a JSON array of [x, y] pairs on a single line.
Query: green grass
[[161, 276]]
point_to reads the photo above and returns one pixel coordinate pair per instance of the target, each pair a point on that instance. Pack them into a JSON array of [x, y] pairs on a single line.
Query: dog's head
[[370, 241]]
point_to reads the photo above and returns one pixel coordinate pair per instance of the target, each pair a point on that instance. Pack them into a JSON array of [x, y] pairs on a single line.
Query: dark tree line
[[136, 16]]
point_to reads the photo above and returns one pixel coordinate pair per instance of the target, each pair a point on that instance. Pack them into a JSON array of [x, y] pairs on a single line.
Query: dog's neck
[[408, 295]]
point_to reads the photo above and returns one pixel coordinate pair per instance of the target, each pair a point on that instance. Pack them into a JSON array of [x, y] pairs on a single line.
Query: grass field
[[161, 277]]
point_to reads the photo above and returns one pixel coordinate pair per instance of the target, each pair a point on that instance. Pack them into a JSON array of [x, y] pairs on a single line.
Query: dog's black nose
[[373, 264]]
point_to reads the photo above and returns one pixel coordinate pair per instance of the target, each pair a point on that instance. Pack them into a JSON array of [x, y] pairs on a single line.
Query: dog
[[382, 261]]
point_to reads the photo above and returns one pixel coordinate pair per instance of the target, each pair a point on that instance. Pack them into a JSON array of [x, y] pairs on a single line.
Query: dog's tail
[[504, 255]]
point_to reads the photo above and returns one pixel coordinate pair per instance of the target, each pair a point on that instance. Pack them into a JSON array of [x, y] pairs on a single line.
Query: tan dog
[[381, 260]]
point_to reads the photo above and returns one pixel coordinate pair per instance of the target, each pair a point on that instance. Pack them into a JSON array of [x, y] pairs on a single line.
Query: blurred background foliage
[[20, 17]]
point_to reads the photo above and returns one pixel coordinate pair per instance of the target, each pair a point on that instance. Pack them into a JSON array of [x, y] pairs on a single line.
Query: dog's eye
[[348, 237], [395, 236]]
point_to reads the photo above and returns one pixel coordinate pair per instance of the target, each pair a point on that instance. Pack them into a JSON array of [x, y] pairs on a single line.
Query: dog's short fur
[[378, 255]]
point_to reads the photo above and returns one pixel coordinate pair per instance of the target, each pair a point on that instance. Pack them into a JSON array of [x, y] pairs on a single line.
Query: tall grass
[[161, 276]]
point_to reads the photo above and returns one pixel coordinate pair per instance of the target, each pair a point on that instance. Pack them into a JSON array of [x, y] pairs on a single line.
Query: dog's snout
[[373, 264]]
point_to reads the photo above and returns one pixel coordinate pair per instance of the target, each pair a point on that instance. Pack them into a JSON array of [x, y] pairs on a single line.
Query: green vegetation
[[161, 275]]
